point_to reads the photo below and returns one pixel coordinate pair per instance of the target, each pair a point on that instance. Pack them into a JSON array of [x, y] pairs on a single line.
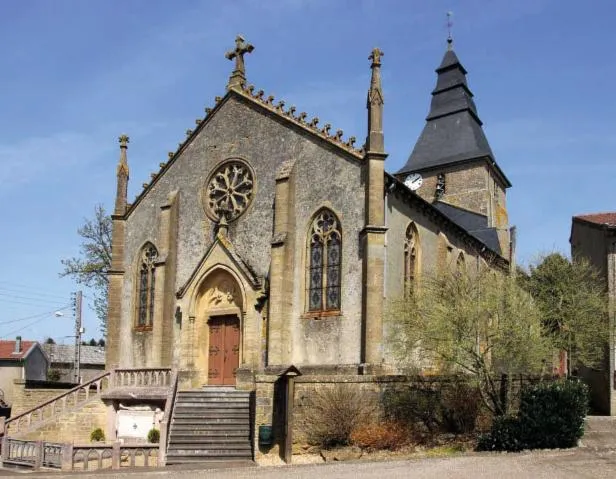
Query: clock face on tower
[[413, 181]]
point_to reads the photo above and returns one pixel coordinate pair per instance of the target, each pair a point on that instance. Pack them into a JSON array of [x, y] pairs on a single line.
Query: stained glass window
[[324, 265], [147, 270]]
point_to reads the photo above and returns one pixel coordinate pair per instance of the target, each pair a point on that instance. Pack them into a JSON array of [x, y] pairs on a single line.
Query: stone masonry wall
[[73, 427]]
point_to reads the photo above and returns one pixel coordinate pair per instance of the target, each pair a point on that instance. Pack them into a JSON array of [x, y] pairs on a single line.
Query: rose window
[[229, 191]]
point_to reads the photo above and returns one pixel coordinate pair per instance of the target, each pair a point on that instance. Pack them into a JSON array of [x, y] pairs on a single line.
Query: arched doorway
[[220, 331]]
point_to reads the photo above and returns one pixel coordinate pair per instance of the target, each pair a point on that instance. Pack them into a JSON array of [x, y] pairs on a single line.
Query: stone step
[[204, 422], [213, 407], [202, 399], [213, 443], [220, 393], [230, 460], [210, 429], [219, 452], [228, 413], [208, 438], [202, 404]]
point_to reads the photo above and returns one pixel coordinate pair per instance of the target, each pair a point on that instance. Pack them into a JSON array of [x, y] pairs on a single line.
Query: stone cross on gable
[[238, 77]]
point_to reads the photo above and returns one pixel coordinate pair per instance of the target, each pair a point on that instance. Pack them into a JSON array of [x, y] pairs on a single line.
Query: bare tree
[[91, 266]]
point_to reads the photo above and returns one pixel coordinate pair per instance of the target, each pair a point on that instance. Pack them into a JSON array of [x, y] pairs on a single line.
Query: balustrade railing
[[145, 377], [68, 400]]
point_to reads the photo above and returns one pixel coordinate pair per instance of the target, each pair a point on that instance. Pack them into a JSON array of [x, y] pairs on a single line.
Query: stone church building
[[268, 240]]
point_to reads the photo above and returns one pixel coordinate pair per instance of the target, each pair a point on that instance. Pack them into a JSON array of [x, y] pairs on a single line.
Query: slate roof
[[65, 353], [474, 223], [453, 132], [602, 219], [7, 349]]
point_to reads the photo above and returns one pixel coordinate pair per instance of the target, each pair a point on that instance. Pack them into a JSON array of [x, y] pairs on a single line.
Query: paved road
[[577, 463]]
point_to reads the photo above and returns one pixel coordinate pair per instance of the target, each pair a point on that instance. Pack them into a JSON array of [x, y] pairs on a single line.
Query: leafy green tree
[[480, 326], [91, 266], [572, 299]]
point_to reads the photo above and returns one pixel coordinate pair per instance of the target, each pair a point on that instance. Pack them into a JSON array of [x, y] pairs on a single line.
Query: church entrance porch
[[224, 350]]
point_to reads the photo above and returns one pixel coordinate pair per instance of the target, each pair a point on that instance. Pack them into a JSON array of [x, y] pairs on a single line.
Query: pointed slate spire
[[453, 132], [122, 177]]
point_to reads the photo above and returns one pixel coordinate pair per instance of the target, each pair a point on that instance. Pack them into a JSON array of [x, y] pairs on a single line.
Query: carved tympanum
[[223, 294]]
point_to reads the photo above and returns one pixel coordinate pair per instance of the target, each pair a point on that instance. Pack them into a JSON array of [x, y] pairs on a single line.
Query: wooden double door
[[224, 351]]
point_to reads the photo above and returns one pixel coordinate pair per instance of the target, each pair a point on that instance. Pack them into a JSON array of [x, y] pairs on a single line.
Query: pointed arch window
[[146, 287], [411, 258], [460, 264], [324, 262]]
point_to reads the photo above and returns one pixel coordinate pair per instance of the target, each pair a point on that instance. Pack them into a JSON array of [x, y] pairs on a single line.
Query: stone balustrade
[[83, 457], [48, 410], [144, 377]]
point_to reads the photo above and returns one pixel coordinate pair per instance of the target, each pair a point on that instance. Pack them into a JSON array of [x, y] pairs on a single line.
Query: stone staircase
[[210, 424]]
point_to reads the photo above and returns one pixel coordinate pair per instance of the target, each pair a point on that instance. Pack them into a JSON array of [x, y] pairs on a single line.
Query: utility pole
[[78, 332]]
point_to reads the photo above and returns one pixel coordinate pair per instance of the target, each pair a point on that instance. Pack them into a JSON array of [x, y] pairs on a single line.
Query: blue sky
[[76, 74]]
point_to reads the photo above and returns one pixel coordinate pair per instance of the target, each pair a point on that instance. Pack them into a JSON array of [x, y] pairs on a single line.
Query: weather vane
[[449, 26]]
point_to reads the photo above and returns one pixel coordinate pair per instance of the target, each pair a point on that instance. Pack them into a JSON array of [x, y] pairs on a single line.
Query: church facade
[[267, 240]]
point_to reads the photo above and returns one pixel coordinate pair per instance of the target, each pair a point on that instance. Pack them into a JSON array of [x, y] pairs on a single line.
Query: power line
[[34, 298], [35, 315], [30, 291], [24, 327], [7, 285]]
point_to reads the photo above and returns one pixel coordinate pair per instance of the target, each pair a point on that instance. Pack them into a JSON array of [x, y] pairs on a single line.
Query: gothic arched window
[[146, 285], [324, 262], [411, 257], [461, 263]]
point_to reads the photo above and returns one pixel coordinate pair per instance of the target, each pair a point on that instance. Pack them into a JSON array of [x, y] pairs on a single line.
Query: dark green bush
[[551, 415], [153, 436], [97, 435], [460, 407], [504, 436]]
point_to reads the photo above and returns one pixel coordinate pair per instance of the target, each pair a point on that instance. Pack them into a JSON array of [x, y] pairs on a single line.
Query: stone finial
[[250, 89], [162, 164], [338, 136], [189, 132], [326, 128], [208, 111], [122, 174], [291, 110], [145, 185], [351, 141], [170, 154], [259, 95], [314, 122], [198, 121], [270, 100], [302, 117], [238, 77], [218, 99], [153, 175], [280, 105], [375, 56]]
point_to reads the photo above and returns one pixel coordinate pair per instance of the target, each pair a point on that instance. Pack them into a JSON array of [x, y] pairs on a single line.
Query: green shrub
[[504, 436], [551, 415], [54, 375], [154, 436], [97, 435]]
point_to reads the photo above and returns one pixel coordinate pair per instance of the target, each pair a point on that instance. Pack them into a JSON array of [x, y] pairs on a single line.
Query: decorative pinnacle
[[124, 140], [449, 27], [375, 56], [238, 77]]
